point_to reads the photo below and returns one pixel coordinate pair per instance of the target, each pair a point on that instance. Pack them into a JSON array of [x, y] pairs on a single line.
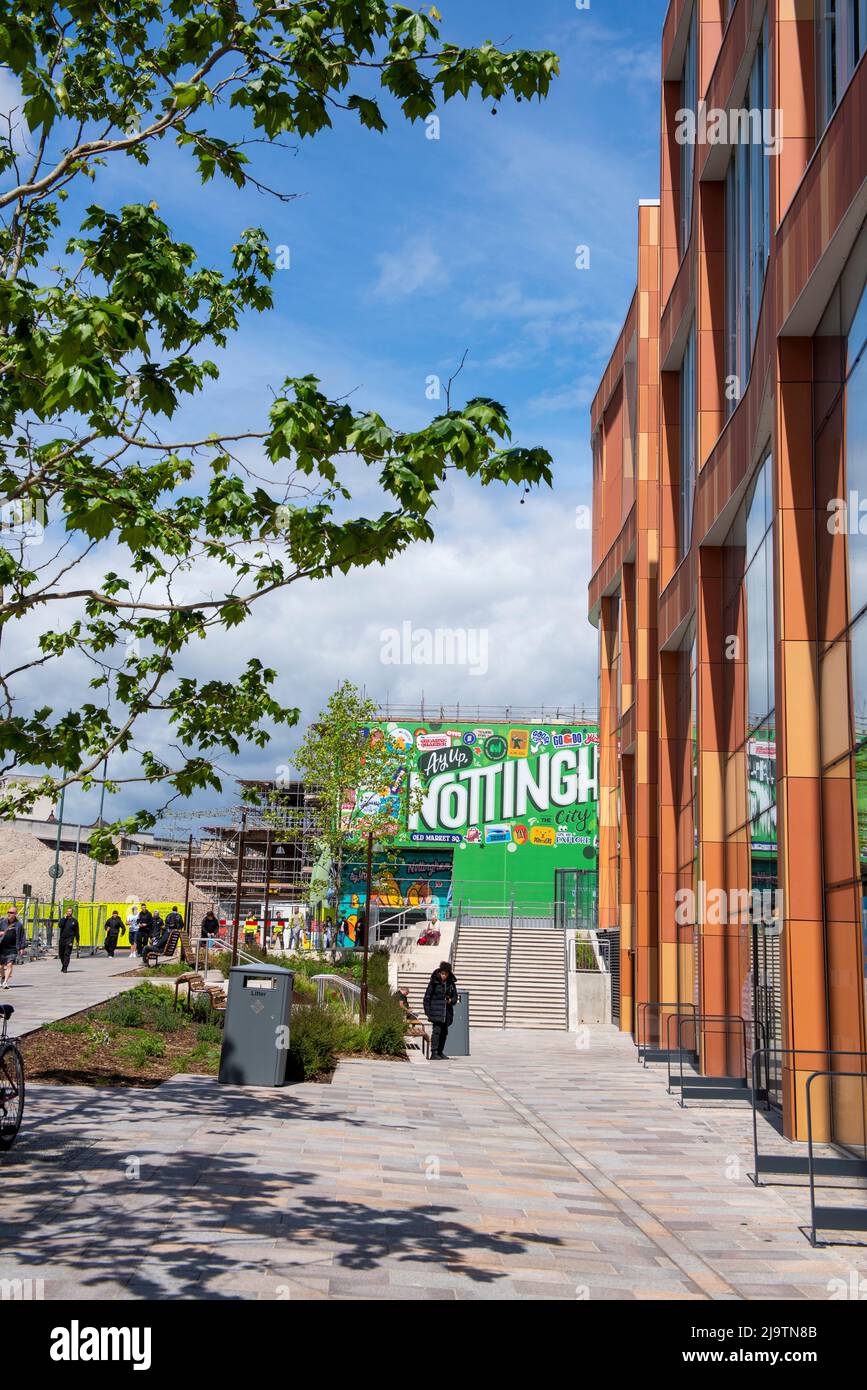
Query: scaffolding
[[268, 846], [423, 713]]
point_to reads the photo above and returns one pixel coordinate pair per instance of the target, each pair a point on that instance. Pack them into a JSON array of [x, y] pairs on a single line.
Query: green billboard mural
[[514, 806]]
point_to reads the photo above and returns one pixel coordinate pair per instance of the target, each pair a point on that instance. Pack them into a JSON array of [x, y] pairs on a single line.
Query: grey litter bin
[[256, 1030], [458, 1040]]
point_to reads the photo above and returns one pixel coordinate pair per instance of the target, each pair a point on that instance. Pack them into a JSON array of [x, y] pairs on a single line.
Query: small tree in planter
[[359, 790]]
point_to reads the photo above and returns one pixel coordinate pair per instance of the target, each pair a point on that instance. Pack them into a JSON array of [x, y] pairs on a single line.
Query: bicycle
[[11, 1083]]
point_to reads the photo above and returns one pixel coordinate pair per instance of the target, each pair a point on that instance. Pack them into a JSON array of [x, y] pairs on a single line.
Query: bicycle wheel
[[11, 1093]]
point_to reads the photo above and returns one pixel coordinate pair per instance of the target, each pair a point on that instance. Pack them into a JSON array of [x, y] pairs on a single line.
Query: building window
[[759, 582], [748, 230], [687, 443], [688, 102], [841, 431], [842, 31]]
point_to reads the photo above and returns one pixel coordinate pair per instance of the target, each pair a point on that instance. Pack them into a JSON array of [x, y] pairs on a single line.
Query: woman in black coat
[[440, 998]]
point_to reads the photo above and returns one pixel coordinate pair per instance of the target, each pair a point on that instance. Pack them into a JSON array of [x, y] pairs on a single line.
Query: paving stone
[[561, 1172]]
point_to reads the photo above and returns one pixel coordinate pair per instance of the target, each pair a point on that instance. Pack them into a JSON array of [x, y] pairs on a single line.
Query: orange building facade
[[729, 586]]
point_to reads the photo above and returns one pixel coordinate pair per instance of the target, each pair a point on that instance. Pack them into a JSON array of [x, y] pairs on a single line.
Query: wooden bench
[[188, 953], [196, 983], [151, 956], [416, 1030]]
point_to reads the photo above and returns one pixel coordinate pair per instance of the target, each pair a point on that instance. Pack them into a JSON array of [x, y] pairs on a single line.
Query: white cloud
[[574, 395], [414, 267], [11, 102], [483, 573]]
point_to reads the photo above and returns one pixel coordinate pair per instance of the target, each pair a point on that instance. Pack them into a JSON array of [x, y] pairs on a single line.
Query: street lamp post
[[362, 1012], [99, 823], [56, 874], [237, 925], [187, 889]]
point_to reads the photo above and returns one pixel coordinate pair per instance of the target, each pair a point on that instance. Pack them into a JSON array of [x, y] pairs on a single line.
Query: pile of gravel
[[137, 877]]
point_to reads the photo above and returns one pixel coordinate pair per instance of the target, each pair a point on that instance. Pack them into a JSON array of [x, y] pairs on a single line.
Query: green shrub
[[165, 1018], [143, 1049], [62, 1026], [387, 1027], [170, 968], [124, 1011], [202, 1009], [377, 972], [206, 1052], [585, 958], [355, 1037], [209, 1033], [314, 1041], [148, 995]]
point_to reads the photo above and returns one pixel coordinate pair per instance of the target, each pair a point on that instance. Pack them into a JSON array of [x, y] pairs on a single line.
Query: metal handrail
[[788, 1163], [340, 981], [829, 1218], [208, 941], [508, 958], [704, 1018], [641, 1017], [453, 949]]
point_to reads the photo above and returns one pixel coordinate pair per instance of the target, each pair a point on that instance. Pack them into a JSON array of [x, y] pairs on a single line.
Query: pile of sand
[[139, 877]]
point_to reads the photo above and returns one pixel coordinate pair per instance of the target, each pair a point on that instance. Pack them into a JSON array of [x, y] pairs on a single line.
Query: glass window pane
[[757, 639], [743, 236], [858, 331], [763, 843], [858, 656], [771, 625], [687, 442], [757, 522], [762, 770], [688, 99], [861, 795], [856, 481]]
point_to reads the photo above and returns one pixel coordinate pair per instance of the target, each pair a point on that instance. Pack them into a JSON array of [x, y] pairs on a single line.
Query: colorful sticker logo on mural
[[543, 835]]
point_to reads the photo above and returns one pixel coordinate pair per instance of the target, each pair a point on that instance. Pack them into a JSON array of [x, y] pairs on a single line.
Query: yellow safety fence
[[92, 917]]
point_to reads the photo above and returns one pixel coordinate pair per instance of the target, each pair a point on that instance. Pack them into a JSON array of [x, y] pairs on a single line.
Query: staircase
[[516, 976], [537, 991], [480, 967]]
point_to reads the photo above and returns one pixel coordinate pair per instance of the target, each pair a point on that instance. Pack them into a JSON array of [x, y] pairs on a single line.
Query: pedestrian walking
[[131, 925], [297, 930], [174, 920], [67, 937], [144, 927], [113, 930], [440, 998], [13, 940]]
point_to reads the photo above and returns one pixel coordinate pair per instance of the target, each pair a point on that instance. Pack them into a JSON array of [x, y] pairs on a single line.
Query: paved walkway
[[41, 993], [532, 1169]]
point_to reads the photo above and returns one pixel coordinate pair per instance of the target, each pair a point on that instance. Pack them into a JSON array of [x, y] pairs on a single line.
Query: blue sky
[[405, 252]]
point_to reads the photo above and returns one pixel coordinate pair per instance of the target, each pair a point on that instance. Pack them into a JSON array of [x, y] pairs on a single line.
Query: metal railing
[[642, 1042], [840, 1218], [348, 988], [244, 957], [453, 949], [703, 1086], [508, 960], [791, 1164]]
